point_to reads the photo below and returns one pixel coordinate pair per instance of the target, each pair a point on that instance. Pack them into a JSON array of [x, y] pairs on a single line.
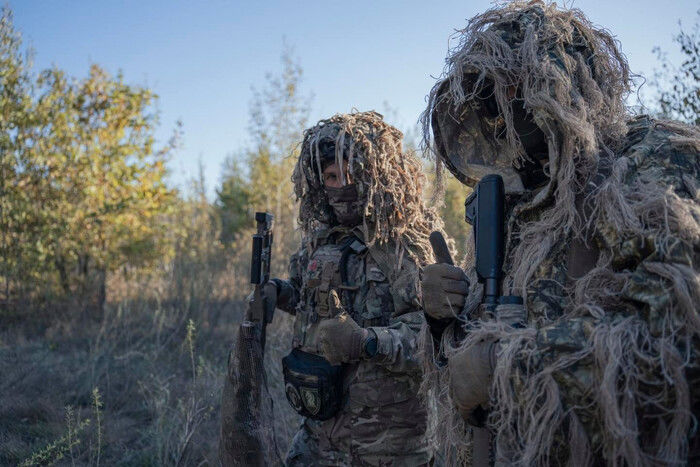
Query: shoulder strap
[[385, 261]]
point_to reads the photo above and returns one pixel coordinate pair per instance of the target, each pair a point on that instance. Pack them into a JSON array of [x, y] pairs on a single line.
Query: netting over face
[[389, 182], [571, 79]]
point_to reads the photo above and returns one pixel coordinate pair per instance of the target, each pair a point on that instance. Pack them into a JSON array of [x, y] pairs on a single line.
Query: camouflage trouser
[[313, 446], [307, 449]]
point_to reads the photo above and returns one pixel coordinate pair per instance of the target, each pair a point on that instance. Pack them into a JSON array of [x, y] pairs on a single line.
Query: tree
[[15, 123], [452, 214], [678, 87], [82, 183], [233, 201], [451, 209], [103, 179], [278, 116]]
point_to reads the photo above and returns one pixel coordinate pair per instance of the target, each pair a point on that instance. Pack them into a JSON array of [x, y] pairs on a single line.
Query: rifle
[[260, 312], [247, 433], [484, 210]]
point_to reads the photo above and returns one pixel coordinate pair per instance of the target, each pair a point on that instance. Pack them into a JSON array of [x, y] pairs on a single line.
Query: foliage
[[233, 201], [199, 257], [57, 449], [452, 213], [678, 87], [15, 124], [97, 406], [83, 184]]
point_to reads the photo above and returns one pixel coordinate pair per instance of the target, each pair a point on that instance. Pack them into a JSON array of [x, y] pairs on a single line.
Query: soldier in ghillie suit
[[354, 291], [602, 242]]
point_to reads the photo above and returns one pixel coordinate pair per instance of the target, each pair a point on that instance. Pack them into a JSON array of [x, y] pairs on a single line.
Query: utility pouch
[[312, 385]]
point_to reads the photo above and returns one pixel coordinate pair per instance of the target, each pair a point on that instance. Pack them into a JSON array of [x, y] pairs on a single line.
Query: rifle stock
[[247, 435]]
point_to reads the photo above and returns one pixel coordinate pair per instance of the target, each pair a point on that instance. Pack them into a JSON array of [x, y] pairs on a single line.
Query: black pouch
[[312, 385]]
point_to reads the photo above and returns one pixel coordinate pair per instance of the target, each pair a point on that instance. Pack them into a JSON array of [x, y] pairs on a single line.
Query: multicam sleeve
[[638, 353], [397, 343]]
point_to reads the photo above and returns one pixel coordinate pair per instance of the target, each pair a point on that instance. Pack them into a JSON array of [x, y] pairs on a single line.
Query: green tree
[[233, 201], [16, 121], [677, 88], [104, 179], [82, 183], [199, 259], [451, 210], [452, 213]]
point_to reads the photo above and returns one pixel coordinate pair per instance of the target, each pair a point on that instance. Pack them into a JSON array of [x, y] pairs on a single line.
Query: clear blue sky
[[202, 57]]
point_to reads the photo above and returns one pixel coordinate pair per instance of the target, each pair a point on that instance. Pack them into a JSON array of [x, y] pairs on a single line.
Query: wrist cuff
[[370, 344], [357, 344], [385, 341]]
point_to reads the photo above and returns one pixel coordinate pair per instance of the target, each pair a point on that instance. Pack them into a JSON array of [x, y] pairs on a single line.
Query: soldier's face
[[332, 177], [342, 195]]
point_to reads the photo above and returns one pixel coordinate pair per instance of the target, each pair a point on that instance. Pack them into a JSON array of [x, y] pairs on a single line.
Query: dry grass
[[137, 382], [140, 385]]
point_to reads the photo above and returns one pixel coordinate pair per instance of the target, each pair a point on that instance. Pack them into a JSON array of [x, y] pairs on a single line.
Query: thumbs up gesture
[[445, 286]]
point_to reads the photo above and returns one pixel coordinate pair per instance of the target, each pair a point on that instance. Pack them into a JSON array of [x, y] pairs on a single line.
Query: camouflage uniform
[[559, 340], [605, 368], [382, 420], [650, 150]]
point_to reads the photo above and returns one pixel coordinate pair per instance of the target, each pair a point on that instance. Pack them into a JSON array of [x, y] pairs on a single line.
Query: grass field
[[138, 385]]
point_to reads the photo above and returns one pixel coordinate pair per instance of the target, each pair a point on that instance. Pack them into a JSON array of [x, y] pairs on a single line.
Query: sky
[[203, 57]]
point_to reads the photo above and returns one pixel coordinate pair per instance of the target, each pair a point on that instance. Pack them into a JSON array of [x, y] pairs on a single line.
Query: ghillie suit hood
[[608, 366], [389, 183], [567, 75]]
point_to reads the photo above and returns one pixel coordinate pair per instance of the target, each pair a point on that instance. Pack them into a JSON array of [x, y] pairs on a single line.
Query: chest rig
[[312, 385], [336, 264]]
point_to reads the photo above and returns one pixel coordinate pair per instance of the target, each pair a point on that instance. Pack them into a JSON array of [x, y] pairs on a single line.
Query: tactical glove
[[445, 289], [471, 374], [269, 294], [341, 339]]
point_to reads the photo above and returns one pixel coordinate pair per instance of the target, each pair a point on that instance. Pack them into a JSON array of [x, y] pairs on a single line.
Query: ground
[[138, 384]]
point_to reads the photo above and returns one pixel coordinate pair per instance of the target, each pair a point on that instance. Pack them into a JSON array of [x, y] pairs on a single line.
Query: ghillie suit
[[367, 271], [602, 243], [389, 182]]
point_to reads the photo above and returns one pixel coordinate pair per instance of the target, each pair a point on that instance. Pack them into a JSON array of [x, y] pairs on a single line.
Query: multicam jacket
[[579, 367], [382, 419]]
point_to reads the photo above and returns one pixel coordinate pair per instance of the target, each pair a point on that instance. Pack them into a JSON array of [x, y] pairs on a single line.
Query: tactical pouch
[[312, 385]]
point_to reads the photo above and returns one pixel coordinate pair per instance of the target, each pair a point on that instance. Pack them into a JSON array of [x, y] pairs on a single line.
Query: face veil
[[388, 183], [528, 87]]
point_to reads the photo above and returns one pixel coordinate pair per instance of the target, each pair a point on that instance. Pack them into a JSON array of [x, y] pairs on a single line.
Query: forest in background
[[119, 294]]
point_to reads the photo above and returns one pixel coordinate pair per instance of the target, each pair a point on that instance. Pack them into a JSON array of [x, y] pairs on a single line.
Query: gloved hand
[[269, 294], [471, 374], [445, 289], [341, 339]]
